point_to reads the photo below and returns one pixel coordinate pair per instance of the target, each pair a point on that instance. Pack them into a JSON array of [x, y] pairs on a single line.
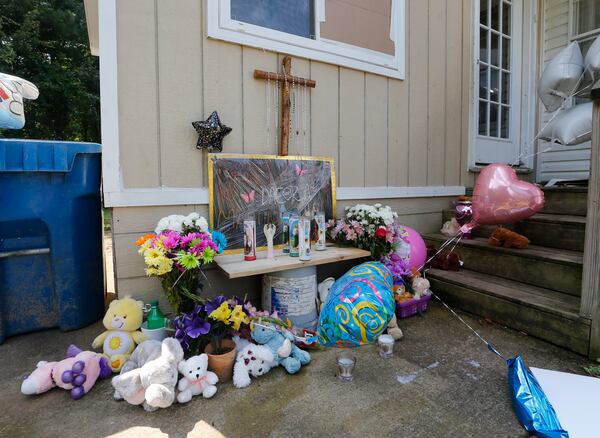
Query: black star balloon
[[211, 133]]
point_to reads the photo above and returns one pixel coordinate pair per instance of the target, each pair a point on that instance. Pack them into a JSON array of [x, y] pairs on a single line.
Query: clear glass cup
[[346, 364], [386, 346]]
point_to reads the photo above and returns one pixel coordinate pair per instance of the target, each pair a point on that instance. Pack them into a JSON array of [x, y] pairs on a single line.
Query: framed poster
[[263, 187]]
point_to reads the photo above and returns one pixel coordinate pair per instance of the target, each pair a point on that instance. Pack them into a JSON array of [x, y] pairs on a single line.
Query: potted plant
[[176, 253], [209, 327]]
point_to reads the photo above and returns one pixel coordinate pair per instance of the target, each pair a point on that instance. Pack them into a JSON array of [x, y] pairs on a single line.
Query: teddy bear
[[450, 228], [122, 321], [323, 289], [252, 360], [143, 353], [420, 287], [196, 379], [285, 353], [508, 239], [153, 384], [77, 373], [393, 330], [446, 260]]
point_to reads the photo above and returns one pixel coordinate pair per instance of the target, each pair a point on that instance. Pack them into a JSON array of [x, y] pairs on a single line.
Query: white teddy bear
[[153, 384], [252, 361], [323, 289], [196, 379]]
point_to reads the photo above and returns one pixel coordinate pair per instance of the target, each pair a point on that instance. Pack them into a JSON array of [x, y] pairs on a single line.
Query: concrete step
[[565, 200], [543, 229], [556, 269], [540, 312]]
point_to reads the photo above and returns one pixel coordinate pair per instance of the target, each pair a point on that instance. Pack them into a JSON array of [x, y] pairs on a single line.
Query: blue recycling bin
[[51, 265]]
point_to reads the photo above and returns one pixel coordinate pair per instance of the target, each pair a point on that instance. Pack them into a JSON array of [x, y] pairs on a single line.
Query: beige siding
[[380, 131], [170, 75]]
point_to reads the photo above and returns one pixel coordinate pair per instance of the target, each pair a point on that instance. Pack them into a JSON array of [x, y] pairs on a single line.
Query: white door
[[497, 102]]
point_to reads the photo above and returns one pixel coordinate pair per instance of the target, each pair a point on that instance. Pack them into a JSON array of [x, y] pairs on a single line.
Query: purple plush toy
[[77, 373]]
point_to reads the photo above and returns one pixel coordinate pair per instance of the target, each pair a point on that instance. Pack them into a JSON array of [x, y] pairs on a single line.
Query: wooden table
[[235, 266]]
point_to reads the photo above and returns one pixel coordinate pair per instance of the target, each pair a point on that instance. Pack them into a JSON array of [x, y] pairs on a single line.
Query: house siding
[[563, 162], [380, 131]]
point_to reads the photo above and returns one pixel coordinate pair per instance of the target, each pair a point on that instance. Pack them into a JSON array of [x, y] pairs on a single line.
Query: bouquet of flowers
[[176, 253], [211, 323], [369, 227]]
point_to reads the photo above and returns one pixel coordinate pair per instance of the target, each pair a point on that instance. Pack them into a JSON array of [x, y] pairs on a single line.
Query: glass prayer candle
[[345, 364], [386, 346]]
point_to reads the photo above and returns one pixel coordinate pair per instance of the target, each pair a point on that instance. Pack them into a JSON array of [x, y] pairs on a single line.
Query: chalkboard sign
[[263, 187]]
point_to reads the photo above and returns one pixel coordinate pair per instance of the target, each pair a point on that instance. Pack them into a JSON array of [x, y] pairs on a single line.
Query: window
[[585, 22], [363, 35]]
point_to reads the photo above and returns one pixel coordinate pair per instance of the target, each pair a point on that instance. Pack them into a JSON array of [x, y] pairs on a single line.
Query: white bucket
[[293, 294], [154, 334]]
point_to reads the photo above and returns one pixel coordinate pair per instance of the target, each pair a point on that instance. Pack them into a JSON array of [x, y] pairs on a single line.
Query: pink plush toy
[[77, 373]]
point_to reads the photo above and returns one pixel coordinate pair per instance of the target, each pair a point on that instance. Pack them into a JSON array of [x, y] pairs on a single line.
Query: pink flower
[[350, 233], [358, 228], [170, 239]]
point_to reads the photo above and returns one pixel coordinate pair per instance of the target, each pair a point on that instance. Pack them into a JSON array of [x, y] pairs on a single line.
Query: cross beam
[[285, 79]]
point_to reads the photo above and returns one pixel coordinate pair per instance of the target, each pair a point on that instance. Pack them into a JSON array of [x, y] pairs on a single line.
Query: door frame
[[530, 66]]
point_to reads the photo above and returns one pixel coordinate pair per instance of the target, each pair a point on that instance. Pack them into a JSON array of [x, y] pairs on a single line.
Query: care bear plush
[[196, 379], [152, 385], [122, 322], [284, 352], [253, 361]]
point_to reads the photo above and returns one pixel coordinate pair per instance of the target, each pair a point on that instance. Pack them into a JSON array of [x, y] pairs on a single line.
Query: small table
[[298, 297]]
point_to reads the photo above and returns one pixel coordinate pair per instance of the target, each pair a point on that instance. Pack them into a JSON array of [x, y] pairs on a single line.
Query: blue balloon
[[359, 307], [532, 407]]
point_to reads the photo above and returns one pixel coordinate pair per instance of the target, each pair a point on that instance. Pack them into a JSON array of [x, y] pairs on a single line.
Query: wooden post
[[590, 293], [285, 108]]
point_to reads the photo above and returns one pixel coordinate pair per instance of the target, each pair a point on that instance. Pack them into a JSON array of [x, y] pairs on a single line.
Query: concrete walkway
[[441, 382]]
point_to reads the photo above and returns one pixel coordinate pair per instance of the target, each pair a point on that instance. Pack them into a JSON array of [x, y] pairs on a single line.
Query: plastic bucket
[[154, 334], [293, 295]]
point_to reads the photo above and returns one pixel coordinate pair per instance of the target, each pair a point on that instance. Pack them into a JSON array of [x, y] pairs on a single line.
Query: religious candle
[[346, 365], [249, 239], [386, 346], [304, 238], [320, 224], [294, 235], [285, 232]]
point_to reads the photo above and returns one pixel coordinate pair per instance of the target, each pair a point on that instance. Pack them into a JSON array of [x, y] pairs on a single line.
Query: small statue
[[269, 230]]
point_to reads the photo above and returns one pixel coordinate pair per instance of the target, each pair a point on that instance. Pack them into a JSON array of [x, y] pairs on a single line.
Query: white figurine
[[269, 230]]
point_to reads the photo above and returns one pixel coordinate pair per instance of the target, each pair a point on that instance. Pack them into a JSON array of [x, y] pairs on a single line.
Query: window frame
[[221, 26], [579, 37]]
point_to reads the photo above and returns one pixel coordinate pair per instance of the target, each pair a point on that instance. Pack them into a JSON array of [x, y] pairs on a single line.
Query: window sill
[[523, 170]]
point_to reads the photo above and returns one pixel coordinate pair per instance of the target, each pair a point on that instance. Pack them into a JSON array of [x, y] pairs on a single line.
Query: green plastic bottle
[[155, 319]]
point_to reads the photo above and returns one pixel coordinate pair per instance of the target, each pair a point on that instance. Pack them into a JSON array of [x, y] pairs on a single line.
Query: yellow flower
[[151, 271], [238, 316], [221, 313], [164, 266], [152, 253]]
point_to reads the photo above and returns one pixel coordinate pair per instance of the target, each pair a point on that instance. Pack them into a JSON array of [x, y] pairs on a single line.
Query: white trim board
[[198, 196]]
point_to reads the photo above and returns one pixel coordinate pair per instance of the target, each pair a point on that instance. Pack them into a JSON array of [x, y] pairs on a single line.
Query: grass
[[107, 215]]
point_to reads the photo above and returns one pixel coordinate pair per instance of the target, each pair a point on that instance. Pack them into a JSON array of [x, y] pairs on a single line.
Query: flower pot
[[222, 364]]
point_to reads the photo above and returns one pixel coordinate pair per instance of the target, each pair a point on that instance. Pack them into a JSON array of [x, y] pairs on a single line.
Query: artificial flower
[[381, 232], [143, 239], [221, 313], [187, 260], [238, 317], [212, 305], [220, 240]]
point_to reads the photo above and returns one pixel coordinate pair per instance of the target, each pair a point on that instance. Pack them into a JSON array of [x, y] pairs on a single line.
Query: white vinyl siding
[[564, 162]]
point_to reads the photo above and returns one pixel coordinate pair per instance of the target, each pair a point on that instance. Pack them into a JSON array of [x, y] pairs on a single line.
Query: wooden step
[[543, 313], [543, 229], [565, 200], [550, 268]]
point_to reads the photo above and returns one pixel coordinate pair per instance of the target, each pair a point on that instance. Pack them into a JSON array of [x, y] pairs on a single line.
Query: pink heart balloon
[[499, 197]]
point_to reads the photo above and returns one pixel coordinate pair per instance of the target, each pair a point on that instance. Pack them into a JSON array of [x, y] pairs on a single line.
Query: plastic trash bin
[[51, 265]]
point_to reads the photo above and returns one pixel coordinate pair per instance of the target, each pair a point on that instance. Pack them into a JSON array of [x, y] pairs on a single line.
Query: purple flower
[[212, 305], [170, 239], [190, 326]]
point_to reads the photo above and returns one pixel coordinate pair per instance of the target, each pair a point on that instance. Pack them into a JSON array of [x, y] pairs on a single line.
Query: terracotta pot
[[222, 364]]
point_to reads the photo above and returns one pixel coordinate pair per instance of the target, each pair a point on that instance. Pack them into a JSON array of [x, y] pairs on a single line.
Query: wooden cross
[[285, 79]]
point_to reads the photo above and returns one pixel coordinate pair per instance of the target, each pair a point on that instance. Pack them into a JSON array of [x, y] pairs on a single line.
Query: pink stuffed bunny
[[77, 373]]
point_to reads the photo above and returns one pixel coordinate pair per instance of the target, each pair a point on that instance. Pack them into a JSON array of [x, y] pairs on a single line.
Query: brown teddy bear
[[508, 239], [446, 260]]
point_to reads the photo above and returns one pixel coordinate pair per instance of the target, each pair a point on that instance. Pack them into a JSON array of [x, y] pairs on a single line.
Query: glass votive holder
[[386, 346], [345, 364]]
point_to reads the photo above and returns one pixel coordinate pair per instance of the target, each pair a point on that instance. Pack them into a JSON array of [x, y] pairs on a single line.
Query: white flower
[[202, 224]]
